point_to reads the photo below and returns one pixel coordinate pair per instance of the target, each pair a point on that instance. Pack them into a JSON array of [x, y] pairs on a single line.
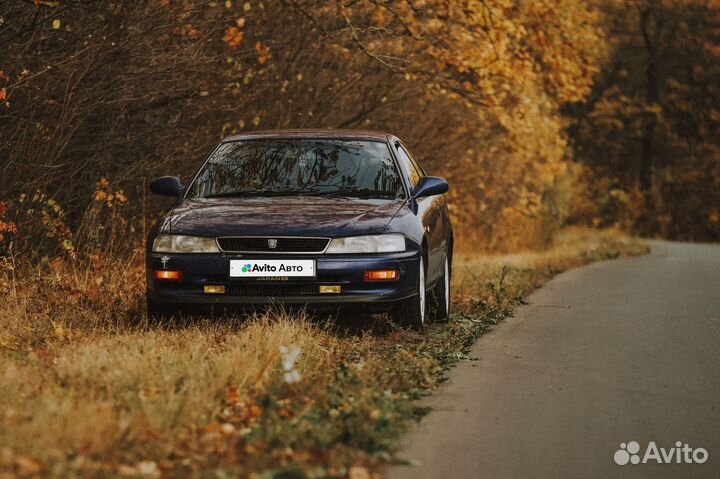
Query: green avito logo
[[246, 268]]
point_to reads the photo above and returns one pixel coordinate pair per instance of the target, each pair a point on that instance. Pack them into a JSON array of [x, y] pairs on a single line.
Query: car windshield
[[294, 167]]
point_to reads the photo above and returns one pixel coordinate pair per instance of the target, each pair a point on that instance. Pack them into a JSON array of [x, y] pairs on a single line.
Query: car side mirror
[[166, 186], [430, 186]]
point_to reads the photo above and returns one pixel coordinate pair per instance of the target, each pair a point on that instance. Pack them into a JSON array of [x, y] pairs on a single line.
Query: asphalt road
[[619, 351]]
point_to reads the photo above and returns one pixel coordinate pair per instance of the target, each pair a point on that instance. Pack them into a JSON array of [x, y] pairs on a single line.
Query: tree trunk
[[650, 27]]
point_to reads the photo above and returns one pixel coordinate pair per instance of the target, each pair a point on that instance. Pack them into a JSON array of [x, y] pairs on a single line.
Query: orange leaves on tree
[[3, 210], [263, 53], [234, 37], [104, 194], [3, 92], [188, 32], [5, 226]]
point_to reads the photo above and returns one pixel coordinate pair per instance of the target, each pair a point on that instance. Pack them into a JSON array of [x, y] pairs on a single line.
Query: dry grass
[[88, 389], [127, 396], [522, 272]]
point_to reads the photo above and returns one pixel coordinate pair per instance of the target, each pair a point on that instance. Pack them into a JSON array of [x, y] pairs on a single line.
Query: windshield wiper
[[244, 194], [346, 192], [357, 193]]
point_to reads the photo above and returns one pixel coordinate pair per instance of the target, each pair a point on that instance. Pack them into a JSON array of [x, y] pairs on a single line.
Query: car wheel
[[442, 294], [413, 311]]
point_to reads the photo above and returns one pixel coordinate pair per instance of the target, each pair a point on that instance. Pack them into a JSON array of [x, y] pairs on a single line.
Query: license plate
[[263, 268]]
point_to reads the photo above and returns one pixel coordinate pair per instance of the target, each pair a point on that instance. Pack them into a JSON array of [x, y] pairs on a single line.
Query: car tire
[[412, 312], [442, 294]]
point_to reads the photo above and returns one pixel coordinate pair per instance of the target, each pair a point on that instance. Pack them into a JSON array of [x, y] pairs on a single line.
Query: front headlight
[[392, 243], [184, 244]]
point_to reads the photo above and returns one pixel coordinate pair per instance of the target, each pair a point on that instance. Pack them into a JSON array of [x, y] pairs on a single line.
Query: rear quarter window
[[408, 164]]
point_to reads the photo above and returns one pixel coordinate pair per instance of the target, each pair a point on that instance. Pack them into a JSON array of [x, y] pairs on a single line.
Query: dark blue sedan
[[324, 218]]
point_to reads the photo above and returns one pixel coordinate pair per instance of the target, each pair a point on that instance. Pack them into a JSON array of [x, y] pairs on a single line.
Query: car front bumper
[[346, 271]]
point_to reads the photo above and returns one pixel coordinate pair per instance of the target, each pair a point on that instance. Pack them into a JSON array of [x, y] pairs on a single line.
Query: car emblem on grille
[[272, 243]]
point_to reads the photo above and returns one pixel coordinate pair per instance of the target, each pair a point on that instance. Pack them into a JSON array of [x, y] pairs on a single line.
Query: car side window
[[415, 162], [414, 173]]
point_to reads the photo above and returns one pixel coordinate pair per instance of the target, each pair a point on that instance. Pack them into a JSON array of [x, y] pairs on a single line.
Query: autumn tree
[[127, 90], [649, 130], [512, 66]]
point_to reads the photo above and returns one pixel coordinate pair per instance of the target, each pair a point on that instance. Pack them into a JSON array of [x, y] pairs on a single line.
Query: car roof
[[323, 133]]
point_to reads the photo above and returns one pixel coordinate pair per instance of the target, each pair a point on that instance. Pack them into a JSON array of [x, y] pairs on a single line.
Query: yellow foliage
[[516, 64]]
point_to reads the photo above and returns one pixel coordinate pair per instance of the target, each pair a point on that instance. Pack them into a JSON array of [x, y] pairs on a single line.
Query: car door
[[429, 210]]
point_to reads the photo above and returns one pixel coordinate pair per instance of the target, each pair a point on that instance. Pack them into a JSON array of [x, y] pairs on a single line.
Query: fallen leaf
[[358, 472], [27, 466], [255, 411], [127, 471]]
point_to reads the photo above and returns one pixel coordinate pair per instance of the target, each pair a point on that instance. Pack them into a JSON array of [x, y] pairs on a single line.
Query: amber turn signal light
[[382, 275], [213, 289], [330, 288], [168, 275]]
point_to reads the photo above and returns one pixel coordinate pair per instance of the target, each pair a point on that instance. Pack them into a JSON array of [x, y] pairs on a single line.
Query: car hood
[[280, 216]]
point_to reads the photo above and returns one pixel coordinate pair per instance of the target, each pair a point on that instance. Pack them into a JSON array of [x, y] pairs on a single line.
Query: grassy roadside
[[86, 391]]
